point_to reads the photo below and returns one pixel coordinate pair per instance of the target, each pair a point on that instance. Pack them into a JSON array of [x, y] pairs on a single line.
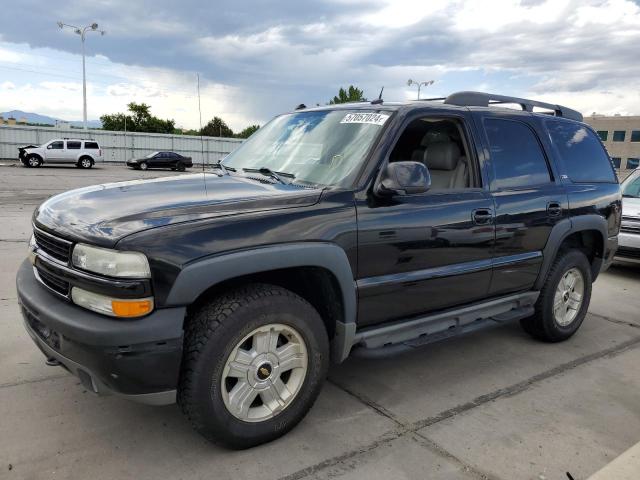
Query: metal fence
[[119, 146]]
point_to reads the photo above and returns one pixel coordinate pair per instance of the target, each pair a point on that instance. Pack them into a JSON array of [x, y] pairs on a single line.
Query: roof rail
[[481, 99]]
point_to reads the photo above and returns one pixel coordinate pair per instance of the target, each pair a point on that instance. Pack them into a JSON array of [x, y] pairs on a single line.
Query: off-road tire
[[212, 333], [543, 325]]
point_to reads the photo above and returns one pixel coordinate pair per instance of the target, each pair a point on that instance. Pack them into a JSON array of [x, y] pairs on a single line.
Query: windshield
[[152, 154], [318, 148], [631, 186]]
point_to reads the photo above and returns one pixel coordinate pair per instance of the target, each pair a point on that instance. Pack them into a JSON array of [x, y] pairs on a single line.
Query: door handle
[[482, 216], [554, 209]]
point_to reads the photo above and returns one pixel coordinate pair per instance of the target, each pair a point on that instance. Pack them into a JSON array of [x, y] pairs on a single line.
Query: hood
[[103, 214], [631, 207]]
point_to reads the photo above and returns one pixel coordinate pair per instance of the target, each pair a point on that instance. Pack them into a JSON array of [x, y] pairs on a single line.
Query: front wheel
[[255, 359], [143, 166], [34, 161], [564, 299]]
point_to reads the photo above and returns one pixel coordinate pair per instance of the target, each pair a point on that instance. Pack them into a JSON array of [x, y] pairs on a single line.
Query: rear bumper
[[137, 359]]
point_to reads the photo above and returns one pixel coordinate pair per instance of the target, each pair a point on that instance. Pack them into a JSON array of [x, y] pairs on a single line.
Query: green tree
[[217, 128], [139, 120], [247, 132], [352, 94]]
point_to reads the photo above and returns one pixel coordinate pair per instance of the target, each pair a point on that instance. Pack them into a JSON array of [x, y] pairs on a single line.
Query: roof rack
[[481, 99]]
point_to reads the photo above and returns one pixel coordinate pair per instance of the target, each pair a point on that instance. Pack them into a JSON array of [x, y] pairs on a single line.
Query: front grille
[[628, 252], [54, 283], [55, 247]]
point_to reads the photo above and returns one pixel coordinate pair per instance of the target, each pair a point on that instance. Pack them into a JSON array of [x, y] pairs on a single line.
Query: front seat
[[430, 137], [447, 168]]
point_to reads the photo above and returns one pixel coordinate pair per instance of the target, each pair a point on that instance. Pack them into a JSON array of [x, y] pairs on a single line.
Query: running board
[[432, 328]]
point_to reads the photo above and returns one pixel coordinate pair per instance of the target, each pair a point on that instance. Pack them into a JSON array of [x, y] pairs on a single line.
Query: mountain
[[37, 118]]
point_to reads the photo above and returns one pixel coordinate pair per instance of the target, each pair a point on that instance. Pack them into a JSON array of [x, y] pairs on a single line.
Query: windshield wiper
[[225, 170], [277, 176]]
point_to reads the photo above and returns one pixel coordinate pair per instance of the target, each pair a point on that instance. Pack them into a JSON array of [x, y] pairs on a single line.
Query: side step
[[432, 328]]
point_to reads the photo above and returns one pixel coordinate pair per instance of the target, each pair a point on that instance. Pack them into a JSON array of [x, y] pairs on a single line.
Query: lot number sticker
[[372, 118]]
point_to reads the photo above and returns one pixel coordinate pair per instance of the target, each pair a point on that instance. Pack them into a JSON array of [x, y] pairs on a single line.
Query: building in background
[[621, 137]]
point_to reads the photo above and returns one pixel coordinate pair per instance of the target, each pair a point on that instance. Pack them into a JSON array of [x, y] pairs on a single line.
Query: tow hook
[[52, 362]]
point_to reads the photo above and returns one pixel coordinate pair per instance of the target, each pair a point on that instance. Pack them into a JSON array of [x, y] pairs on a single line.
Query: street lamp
[[82, 31], [419, 84]]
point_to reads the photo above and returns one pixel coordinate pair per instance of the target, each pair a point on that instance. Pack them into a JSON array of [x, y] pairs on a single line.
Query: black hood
[[103, 214]]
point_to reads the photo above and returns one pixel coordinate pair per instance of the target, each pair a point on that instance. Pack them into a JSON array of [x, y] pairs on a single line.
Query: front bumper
[[628, 247], [138, 359]]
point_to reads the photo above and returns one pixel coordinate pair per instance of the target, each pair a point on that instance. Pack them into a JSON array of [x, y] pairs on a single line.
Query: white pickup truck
[[80, 152]]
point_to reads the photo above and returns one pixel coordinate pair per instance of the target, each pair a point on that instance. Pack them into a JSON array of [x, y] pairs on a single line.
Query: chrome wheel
[[85, 163], [264, 372], [34, 161], [568, 297]]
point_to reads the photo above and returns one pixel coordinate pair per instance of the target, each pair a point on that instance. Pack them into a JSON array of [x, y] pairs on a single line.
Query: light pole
[[82, 31], [419, 84]]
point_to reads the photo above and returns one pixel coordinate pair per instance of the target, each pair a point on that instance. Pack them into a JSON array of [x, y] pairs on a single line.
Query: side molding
[[561, 231], [200, 275]]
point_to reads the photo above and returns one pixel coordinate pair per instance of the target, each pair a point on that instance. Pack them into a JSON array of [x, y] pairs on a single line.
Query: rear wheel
[[254, 363], [34, 161], [85, 162], [180, 166], [564, 299]]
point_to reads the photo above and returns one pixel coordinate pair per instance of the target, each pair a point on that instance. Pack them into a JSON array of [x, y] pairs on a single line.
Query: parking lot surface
[[496, 404]]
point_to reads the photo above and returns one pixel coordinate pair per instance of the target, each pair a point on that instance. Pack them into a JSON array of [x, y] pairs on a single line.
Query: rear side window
[[73, 145], [584, 158], [516, 156], [91, 145]]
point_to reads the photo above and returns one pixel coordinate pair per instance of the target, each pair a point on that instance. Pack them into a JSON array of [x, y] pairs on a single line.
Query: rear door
[[72, 150], [528, 196]]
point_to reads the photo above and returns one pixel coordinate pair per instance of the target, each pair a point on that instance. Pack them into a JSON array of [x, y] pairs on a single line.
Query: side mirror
[[49, 147], [403, 178]]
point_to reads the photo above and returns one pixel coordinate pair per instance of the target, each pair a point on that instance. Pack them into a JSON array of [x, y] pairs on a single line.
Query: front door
[[426, 252], [55, 151]]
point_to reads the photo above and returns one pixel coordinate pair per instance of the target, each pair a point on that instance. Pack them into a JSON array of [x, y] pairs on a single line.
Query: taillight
[[99, 152]]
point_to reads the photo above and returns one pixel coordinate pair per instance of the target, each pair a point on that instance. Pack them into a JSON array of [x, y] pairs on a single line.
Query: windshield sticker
[[372, 118]]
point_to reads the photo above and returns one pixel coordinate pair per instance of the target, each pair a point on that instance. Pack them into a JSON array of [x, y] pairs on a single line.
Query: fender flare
[[200, 275], [560, 232]]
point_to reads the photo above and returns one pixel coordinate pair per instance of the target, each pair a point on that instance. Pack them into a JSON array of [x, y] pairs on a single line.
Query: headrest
[[434, 136], [442, 156]]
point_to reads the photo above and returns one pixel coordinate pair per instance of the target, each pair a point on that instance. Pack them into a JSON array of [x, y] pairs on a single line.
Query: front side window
[[619, 135], [635, 135], [516, 155], [73, 145], [603, 134], [632, 163], [584, 158], [59, 145], [326, 147]]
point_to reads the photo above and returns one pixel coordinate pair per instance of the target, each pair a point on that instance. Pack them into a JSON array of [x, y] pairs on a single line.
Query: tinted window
[[57, 145], [635, 135], [73, 145], [582, 154], [616, 162], [603, 134], [618, 136], [516, 155], [633, 162], [91, 145]]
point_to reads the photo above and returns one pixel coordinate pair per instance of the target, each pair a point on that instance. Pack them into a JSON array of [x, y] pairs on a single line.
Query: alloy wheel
[[568, 297]]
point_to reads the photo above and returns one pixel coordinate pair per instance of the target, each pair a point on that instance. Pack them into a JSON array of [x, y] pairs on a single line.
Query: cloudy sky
[[257, 58]]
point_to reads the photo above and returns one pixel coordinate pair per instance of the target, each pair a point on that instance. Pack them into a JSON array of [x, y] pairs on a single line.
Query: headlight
[[115, 307], [110, 262]]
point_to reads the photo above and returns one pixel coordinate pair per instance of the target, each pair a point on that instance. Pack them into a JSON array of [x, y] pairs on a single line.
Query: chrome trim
[[37, 275]]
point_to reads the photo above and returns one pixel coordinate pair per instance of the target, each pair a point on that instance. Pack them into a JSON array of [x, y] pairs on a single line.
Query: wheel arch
[[587, 233], [319, 272]]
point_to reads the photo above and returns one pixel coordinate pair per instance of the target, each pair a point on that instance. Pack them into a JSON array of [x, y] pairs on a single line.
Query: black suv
[[357, 226]]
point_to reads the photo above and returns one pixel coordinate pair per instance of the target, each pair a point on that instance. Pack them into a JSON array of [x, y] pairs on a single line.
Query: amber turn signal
[[131, 308]]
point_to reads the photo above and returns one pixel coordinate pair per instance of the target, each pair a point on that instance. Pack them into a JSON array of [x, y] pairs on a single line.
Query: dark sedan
[[171, 160]]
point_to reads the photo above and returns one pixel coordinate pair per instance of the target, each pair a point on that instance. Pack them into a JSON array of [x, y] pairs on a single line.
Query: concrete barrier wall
[[119, 146]]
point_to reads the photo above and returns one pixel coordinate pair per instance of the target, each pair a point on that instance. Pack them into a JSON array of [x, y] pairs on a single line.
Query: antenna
[[378, 100], [204, 179]]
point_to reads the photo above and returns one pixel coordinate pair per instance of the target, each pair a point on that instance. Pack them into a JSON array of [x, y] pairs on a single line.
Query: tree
[[140, 120], [247, 132], [352, 94], [217, 128]]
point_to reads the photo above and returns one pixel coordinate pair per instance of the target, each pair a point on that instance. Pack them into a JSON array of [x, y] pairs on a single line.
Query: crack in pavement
[[615, 320], [35, 380], [403, 429]]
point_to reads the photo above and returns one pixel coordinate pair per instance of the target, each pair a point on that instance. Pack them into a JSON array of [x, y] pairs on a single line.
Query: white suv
[[79, 152]]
